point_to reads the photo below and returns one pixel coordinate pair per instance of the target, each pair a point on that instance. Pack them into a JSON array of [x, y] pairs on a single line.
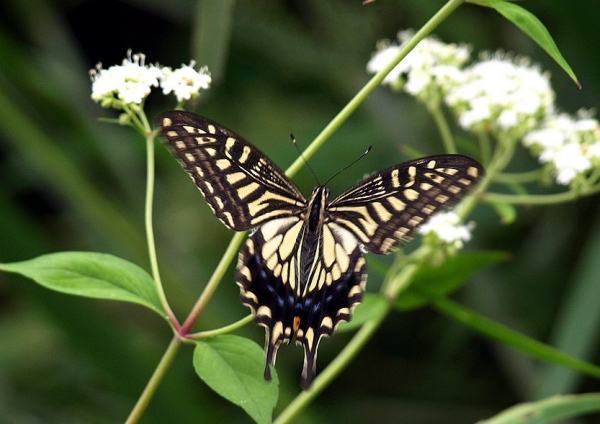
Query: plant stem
[[485, 147], [223, 330], [443, 128], [539, 199], [213, 282], [518, 177], [373, 83], [150, 230], [333, 369], [400, 282], [159, 372], [498, 162]]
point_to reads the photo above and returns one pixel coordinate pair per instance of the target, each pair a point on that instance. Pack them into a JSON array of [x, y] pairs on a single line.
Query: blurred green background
[[69, 182]]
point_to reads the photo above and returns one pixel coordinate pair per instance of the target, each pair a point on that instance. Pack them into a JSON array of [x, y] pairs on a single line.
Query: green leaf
[[512, 338], [233, 367], [438, 280], [373, 306], [548, 410], [91, 274], [506, 211], [533, 27]]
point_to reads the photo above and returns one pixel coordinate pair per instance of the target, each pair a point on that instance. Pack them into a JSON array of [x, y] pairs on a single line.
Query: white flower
[[501, 95], [129, 82], [426, 71], [447, 227], [570, 145], [570, 160], [185, 82]]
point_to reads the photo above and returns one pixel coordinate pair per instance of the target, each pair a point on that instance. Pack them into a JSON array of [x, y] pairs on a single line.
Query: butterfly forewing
[[241, 185], [386, 208]]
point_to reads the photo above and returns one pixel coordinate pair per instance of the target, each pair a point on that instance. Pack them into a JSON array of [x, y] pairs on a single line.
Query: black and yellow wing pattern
[[242, 186], [302, 271], [387, 207]]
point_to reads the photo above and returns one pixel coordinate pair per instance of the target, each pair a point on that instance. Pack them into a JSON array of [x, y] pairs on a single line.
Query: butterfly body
[[302, 270]]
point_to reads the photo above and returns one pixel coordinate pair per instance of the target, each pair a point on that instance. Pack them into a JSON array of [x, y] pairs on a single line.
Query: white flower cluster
[[185, 82], [447, 228], [571, 146], [501, 95], [427, 72], [131, 82]]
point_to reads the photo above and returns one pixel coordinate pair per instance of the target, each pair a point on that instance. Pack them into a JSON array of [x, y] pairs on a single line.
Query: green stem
[[539, 199], [223, 330], [373, 83], [144, 126], [333, 369], [443, 128], [150, 230], [498, 162], [518, 177], [159, 372], [485, 147], [400, 282]]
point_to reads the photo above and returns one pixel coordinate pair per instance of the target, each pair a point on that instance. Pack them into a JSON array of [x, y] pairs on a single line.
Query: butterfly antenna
[[365, 153], [303, 159]]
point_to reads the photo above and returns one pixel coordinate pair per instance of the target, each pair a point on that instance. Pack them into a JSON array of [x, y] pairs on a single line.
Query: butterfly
[[302, 269]]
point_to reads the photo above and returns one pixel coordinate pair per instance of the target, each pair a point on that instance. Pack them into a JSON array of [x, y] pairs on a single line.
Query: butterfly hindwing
[[386, 208], [241, 185], [296, 294]]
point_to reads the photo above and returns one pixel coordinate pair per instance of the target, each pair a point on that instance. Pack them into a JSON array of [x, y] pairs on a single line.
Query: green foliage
[[433, 280], [549, 410], [533, 27], [372, 307], [53, 144], [512, 338], [233, 367], [91, 274]]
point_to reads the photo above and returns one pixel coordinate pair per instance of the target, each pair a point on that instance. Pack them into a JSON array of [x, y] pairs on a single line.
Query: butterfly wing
[[241, 185], [299, 284], [386, 208]]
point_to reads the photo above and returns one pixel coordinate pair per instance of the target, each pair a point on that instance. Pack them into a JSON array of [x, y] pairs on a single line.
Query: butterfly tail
[[271, 347], [309, 369]]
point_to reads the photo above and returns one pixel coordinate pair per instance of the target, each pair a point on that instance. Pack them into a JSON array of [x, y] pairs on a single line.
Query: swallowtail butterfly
[[302, 270]]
